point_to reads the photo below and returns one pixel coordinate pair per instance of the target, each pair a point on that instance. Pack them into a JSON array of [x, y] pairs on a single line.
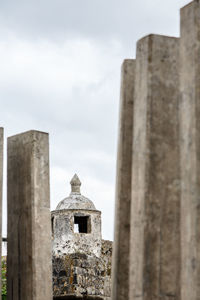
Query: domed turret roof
[[75, 199]]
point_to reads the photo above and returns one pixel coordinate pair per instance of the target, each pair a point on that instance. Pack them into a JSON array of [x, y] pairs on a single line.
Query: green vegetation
[[3, 273]]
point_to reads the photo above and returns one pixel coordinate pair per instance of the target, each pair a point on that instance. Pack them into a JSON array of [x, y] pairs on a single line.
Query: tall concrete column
[[120, 265], [155, 211], [29, 229], [190, 150], [1, 192]]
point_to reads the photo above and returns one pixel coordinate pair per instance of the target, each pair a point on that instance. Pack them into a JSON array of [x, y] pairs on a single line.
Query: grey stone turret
[[81, 259], [76, 224]]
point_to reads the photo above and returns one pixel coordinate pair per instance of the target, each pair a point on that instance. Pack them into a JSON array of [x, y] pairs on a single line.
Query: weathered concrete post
[[29, 229], [190, 150], [120, 265], [1, 192], [155, 232]]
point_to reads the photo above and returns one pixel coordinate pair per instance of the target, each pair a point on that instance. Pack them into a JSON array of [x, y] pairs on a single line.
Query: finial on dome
[[75, 185]]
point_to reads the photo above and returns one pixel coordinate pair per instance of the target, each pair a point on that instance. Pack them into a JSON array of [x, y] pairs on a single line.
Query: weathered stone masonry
[[81, 259]]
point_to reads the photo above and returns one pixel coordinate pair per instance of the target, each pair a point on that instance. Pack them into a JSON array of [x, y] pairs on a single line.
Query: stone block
[[29, 221], [120, 266], [155, 209], [190, 150]]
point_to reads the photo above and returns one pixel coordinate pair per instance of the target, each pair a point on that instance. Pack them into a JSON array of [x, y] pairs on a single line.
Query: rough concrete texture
[[1, 190], [120, 266], [155, 238], [83, 275], [190, 150], [29, 229]]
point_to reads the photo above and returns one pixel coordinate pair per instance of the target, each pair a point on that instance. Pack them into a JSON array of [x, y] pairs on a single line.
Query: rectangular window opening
[[82, 224]]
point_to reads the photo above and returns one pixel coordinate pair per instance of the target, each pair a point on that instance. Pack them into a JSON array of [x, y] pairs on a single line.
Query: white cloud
[[70, 90], [60, 72], [96, 19]]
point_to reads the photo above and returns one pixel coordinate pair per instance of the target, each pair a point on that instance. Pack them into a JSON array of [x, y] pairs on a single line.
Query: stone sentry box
[[69, 238], [81, 259], [76, 224]]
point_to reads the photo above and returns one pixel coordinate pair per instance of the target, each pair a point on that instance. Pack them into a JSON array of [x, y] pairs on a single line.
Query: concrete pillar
[[29, 229], [120, 265], [155, 211], [1, 192], [190, 150]]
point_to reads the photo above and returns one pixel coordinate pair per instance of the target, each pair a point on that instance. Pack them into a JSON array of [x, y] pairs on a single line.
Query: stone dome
[[75, 199]]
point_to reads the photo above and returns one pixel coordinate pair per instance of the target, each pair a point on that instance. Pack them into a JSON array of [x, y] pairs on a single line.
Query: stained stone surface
[[80, 298], [83, 274], [155, 212], [1, 189], [190, 150], [65, 239], [29, 227], [81, 259], [120, 267], [76, 201]]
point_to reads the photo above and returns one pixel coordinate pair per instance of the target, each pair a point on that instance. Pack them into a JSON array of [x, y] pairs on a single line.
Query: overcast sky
[[60, 66]]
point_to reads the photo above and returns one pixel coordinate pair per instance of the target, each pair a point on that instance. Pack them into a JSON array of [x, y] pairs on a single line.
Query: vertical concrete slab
[[120, 265], [190, 150], [155, 211], [1, 191], [29, 229]]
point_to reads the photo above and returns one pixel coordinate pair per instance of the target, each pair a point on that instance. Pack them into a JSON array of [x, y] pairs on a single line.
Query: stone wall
[[83, 275], [79, 298]]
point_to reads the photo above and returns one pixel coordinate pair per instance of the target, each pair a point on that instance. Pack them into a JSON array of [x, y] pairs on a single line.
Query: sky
[[60, 73]]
